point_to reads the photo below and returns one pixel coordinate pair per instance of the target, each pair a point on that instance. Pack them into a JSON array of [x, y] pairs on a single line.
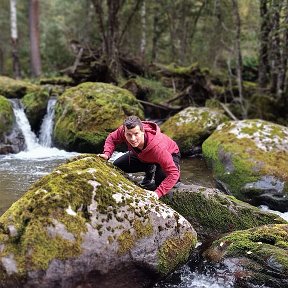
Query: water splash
[[46, 130], [24, 125]]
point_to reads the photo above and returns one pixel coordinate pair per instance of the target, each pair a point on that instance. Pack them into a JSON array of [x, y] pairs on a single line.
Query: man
[[147, 148]]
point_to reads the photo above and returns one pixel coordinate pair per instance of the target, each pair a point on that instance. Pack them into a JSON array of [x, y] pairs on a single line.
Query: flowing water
[[19, 171]]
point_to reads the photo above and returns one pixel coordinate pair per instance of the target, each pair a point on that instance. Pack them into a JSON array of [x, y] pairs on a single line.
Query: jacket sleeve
[[114, 138], [167, 164]]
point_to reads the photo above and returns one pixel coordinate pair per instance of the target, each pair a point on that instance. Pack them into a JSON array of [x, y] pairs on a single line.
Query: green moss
[[192, 126], [126, 242], [11, 88], [57, 80], [169, 255], [6, 116], [35, 105], [237, 160], [88, 109], [215, 214], [259, 244]]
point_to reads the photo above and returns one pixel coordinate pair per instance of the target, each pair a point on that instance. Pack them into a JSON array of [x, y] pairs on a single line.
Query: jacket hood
[[153, 134]]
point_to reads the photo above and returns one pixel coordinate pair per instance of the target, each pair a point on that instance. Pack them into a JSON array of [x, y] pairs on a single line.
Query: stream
[[19, 171]]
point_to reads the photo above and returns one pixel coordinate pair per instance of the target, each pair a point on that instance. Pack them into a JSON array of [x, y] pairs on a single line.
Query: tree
[[239, 64], [14, 39], [34, 38]]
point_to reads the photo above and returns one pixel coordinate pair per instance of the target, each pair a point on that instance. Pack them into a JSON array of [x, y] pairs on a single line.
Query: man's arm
[[167, 164], [114, 138]]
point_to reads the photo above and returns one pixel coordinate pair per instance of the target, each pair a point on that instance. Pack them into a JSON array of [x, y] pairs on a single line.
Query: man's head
[[134, 131]]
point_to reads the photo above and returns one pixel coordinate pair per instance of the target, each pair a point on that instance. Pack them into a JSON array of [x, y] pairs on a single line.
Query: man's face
[[135, 136]]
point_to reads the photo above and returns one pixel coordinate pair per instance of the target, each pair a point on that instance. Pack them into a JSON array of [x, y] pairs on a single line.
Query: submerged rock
[[86, 224], [256, 257], [249, 158]]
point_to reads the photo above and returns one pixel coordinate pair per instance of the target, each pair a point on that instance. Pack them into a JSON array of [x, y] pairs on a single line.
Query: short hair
[[132, 121]]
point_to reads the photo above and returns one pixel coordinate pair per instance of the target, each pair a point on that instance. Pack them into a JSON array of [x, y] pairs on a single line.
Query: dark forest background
[[242, 43]]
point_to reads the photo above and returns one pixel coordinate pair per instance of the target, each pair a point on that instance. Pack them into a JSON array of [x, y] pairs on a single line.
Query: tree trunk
[[143, 26], [263, 70], [281, 82], [113, 37], [1, 61], [275, 54], [239, 57], [34, 38], [156, 32], [14, 39]]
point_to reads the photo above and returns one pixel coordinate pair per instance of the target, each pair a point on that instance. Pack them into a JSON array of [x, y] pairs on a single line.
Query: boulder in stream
[[249, 159], [86, 224]]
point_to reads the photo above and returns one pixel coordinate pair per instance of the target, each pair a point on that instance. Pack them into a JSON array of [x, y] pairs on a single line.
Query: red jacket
[[159, 150]]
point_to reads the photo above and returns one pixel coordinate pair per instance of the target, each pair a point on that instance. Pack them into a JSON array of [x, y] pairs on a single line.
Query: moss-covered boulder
[[191, 126], [86, 225], [85, 114], [249, 158], [256, 257], [35, 106], [213, 213], [11, 139]]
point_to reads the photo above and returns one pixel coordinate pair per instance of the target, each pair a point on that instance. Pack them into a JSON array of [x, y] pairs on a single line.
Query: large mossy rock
[[11, 138], [213, 213], [190, 127], [85, 114], [249, 158], [86, 225], [256, 257]]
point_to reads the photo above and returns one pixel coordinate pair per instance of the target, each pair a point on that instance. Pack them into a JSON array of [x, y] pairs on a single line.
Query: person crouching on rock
[[149, 151]]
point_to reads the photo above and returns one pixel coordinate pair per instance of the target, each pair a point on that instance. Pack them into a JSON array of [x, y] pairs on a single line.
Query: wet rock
[[86, 225], [213, 213], [250, 159], [255, 257]]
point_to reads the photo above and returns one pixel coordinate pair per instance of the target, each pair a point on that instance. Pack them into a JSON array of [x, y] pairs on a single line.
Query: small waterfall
[[46, 130], [38, 149], [24, 125]]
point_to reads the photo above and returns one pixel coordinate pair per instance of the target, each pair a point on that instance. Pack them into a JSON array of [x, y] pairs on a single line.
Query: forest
[[240, 47]]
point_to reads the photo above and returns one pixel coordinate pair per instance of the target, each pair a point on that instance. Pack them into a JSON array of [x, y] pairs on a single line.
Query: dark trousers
[[129, 163]]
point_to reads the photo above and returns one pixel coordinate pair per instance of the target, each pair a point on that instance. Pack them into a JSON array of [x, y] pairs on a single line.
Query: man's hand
[[104, 156], [152, 193]]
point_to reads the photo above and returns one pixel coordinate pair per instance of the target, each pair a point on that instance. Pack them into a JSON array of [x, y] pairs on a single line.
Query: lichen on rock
[[250, 158], [191, 126]]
